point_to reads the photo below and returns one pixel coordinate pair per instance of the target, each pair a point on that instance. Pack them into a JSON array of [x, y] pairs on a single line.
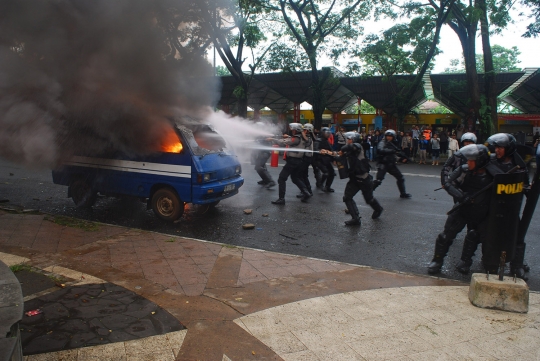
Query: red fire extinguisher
[[275, 157]]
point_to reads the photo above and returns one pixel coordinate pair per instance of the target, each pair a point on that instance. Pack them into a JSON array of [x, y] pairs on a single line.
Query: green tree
[[464, 22], [235, 28], [365, 108], [533, 29], [504, 60], [222, 71], [405, 49], [321, 26]]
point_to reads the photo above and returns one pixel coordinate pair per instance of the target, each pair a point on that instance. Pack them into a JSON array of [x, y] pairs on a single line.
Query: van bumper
[[216, 191]]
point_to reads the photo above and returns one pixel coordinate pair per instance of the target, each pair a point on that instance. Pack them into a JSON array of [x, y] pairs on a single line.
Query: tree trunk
[[467, 37], [317, 100], [489, 117], [242, 105]]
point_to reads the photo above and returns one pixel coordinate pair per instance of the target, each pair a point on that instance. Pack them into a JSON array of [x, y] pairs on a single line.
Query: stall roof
[[525, 94], [380, 91], [451, 89], [279, 91]]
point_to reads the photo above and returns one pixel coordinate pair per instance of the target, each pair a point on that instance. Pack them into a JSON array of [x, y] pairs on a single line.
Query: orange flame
[[171, 143]]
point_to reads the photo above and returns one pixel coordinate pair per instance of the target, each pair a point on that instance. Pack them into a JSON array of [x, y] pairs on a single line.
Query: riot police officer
[[386, 162], [506, 157], [326, 160], [457, 159], [293, 163], [309, 159], [261, 157], [359, 179], [465, 181]]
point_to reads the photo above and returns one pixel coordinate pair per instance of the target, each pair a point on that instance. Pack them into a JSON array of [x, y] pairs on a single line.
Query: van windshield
[[203, 139]]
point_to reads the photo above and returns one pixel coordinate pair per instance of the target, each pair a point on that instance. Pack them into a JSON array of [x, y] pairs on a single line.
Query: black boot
[[402, 192], [353, 211], [279, 201], [469, 247], [516, 266], [305, 195], [442, 245], [376, 183], [377, 209], [322, 180]]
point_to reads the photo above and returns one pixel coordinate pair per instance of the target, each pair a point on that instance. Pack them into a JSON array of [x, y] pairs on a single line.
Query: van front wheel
[[82, 194], [167, 205]]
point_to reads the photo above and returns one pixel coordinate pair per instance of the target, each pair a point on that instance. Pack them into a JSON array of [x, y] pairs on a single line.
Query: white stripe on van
[[170, 170]]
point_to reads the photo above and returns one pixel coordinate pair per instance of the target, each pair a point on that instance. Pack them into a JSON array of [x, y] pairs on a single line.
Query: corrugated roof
[[526, 94], [380, 91], [451, 89]]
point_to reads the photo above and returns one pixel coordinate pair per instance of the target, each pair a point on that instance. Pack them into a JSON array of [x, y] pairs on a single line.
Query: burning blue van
[[197, 169]]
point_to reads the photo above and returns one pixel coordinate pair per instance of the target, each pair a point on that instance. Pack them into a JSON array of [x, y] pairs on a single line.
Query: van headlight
[[238, 169], [206, 177]]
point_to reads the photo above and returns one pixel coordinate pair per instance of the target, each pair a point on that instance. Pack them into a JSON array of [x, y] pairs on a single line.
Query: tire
[[82, 193], [167, 205]]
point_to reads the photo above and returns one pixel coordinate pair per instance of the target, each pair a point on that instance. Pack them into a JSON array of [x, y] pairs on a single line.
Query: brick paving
[[206, 287]]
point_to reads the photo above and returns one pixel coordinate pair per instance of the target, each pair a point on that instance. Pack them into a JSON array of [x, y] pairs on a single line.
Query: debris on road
[[33, 312], [248, 226], [248, 211]]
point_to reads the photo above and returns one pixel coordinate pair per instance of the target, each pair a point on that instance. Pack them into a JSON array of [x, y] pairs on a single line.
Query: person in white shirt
[[453, 145]]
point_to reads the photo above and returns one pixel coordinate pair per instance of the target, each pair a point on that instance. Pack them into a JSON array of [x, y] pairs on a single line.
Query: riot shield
[[503, 218], [342, 166]]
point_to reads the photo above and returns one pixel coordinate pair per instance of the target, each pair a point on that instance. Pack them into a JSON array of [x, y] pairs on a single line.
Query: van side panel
[[131, 177]]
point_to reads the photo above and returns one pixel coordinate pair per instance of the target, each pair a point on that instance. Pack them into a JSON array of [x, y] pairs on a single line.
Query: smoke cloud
[[83, 76]]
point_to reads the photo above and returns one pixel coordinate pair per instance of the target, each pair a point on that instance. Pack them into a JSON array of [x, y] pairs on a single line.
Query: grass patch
[[170, 240], [228, 245], [74, 223], [20, 267]]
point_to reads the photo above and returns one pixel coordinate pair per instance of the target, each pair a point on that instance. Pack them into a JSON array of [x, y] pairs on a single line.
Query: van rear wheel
[[82, 193], [167, 205]]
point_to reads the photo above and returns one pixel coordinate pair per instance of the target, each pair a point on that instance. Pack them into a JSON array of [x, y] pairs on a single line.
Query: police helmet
[[355, 137], [504, 140], [390, 132], [477, 152], [469, 137], [295, 126], [309, 127], [325, 131]]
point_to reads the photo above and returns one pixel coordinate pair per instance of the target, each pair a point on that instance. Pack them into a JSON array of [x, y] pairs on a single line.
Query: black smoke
[[81, 76]]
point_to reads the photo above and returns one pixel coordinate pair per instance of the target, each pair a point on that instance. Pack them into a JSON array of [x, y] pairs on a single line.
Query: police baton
[[471, 198]]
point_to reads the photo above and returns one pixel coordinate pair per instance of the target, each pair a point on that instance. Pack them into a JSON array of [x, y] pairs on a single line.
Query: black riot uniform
[[261, 157], [293, 164], [386, 163], [325, 161], [507, 160], [454, 162], [462, 183], [359, 179], [308, 159], [457, 159]]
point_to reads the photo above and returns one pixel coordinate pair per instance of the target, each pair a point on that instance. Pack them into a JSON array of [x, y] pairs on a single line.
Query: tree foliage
[[317, 27], [406, 48], [235, 28], [504, 60]]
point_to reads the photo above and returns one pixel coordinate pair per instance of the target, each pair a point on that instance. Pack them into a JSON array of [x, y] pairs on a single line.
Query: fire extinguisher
[[275, 157]]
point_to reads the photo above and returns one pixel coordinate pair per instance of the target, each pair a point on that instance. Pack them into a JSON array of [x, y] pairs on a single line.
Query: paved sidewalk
[[244, 304]]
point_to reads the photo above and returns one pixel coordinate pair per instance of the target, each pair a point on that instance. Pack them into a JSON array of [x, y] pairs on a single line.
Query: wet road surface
[[402, 239]]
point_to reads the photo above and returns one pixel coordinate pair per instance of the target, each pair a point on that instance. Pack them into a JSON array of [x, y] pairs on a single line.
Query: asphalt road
[[401, 240]]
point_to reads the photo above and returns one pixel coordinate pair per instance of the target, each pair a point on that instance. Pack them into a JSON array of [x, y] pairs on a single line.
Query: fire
[[171, 143]]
